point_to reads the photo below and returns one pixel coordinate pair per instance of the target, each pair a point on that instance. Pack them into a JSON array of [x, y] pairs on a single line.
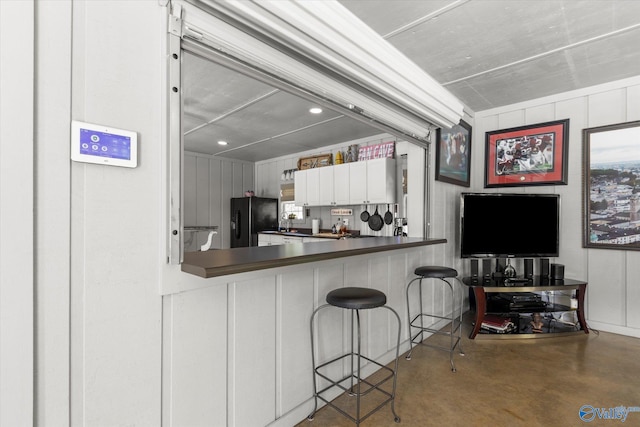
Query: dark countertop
[[240, 260]]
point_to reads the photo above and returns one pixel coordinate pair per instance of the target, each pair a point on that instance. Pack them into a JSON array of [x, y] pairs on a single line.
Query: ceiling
[[488, 53]]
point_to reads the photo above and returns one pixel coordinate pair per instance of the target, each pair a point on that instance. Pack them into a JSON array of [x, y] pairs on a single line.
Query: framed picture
[[611, 181], [527, 155], [453, 154]]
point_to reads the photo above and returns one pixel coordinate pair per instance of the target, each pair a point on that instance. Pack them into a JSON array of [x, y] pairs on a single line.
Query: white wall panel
[[606, 290], [252, 352], [17, 193], [571, 195], [196, 389], [295, 305], [53, 207], [633, 103], [509, 119], [377, 324], [607, 108], [115, 240], [540, 114]]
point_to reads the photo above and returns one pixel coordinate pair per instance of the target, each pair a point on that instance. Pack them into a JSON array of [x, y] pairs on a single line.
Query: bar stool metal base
[[416, 323], [352, 383]]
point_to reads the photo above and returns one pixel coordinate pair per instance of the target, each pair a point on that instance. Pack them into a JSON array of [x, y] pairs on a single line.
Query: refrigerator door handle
[[236, 226]]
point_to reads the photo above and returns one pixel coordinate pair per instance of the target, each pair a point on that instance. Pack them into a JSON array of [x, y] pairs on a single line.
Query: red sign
[[378, 151]]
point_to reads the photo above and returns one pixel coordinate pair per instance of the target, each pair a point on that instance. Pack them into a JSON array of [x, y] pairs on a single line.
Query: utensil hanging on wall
[[376, 221], [388, 216], [364, 216]]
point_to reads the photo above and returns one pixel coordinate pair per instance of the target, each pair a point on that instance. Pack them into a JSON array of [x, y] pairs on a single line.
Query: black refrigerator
[[249, 215]]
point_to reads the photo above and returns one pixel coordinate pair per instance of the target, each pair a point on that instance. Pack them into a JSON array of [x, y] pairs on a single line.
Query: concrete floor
[[541, 382]]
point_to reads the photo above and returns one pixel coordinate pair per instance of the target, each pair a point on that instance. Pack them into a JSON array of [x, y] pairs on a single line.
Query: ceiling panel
[[481, 35], [384, 16], [488, 53]]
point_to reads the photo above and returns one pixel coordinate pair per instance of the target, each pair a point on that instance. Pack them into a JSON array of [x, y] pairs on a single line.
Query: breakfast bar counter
[[223, 262], [241, 317]]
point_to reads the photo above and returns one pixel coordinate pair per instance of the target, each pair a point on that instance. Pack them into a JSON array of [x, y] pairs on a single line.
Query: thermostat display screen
[[95, 143], [92, 143]]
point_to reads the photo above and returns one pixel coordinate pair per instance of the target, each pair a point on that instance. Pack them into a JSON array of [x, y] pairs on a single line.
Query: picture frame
[[453, 154], [527, 155], [611, 206]]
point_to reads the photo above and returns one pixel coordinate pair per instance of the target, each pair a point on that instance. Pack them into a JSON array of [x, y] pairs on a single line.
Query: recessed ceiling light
[[315, 110], [222, 143]]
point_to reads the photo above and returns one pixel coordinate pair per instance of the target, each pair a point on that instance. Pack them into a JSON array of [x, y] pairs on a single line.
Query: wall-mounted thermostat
[[91, 143]]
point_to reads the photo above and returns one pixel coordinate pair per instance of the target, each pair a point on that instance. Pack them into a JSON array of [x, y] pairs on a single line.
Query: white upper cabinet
[[381, 174], [307, 187], [341, 183], [358, 183], [326, 181], [371, 181], [313, 187], [300, 188]]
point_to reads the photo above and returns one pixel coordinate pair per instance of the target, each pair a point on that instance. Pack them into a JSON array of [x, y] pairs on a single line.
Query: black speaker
[[544, 267], [486, 268], [501, 264], [528, 268], [474, 269], [557, 271]]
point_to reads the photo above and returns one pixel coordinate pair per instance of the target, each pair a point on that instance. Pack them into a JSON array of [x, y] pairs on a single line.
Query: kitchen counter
[[239, 260], [322, 234]]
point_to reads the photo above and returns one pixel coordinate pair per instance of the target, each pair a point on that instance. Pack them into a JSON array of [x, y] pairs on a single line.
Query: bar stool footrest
[[351, 389]]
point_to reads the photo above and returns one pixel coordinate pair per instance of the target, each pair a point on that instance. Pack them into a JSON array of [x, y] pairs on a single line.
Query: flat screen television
[[501, 225]]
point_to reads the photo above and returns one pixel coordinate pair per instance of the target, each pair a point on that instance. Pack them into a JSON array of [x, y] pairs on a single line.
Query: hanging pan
[[388, 216], [364, 216], [376, 221]]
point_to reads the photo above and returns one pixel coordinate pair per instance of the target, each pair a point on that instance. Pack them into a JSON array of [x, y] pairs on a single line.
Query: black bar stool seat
[[354, 299], [435, 272]]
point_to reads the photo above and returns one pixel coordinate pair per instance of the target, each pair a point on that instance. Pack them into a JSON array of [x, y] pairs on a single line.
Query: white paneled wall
[[238, 353], [613, 292], [209, 184]]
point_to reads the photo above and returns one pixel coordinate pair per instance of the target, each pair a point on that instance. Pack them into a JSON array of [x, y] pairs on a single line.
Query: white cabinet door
[[264, 239], [313, 187], [307, 187], [325, 185], [381, 180], [341, 180], [300, 188], [358, 183]]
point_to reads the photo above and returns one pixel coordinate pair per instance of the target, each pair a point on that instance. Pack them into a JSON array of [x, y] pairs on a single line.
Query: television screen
[[494, 225]]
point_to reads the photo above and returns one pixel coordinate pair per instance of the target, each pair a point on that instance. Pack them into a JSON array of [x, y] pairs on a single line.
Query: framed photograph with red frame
[[527, 155]]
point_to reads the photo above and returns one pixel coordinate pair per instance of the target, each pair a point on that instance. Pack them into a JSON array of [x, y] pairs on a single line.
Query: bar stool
[[455, 318], [355, 299]]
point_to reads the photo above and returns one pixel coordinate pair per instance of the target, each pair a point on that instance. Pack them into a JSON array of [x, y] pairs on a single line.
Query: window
[[290, 208]]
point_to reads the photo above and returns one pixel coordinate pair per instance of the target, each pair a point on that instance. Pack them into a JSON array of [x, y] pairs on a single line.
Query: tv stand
[[500, 298]]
